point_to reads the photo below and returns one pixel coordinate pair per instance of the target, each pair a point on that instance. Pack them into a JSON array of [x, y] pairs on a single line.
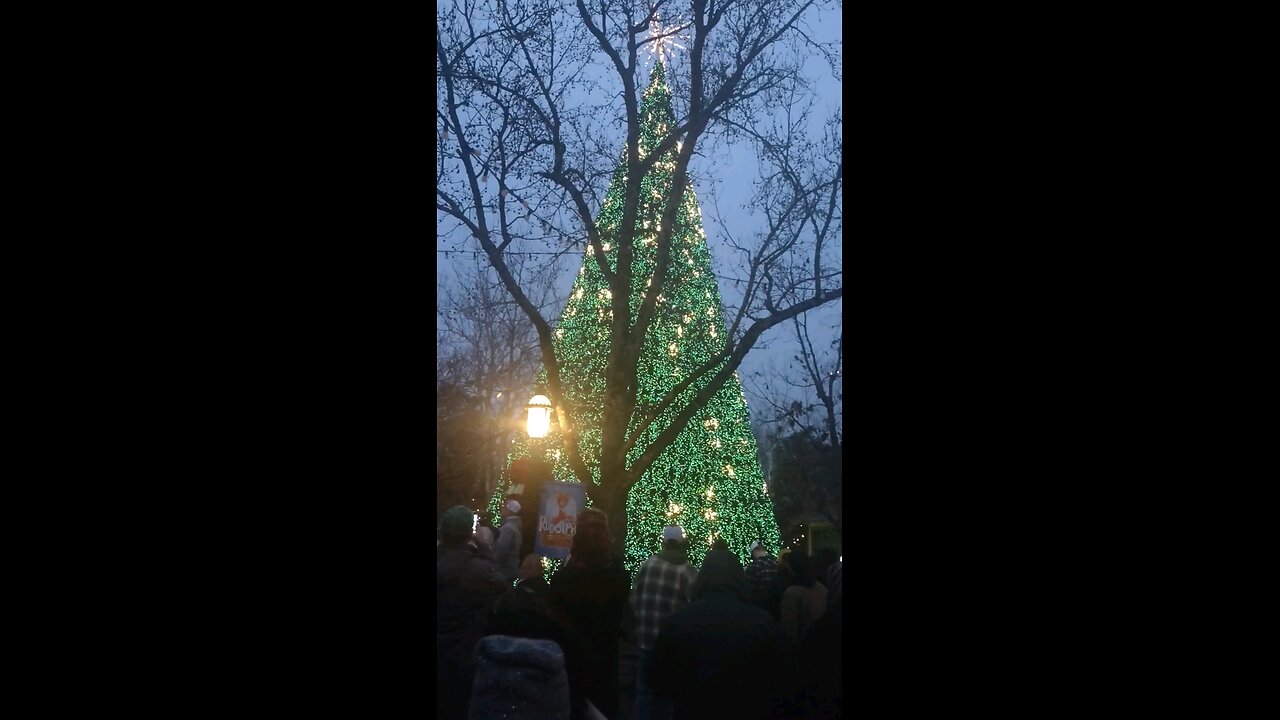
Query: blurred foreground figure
[[716, 657], [519, 679], [589, 592], [805, 600], [525, 613], [468, 584]]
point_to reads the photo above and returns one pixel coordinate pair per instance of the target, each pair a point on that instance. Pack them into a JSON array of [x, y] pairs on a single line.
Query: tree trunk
[[613, 504]]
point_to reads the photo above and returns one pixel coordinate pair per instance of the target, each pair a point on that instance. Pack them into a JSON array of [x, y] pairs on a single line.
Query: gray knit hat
[[519, 679]]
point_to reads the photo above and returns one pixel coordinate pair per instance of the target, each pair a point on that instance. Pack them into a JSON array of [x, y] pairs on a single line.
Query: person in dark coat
[[716, 657], [525, 613], [590, 592], [805, 600], [814, 687], [468, 584], [820, 691]]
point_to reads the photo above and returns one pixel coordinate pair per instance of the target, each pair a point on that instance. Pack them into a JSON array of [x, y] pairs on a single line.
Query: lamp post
[[539, 416], [538, 425]]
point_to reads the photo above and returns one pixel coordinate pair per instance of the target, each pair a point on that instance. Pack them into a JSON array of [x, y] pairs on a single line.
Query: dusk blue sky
[[722, 178]]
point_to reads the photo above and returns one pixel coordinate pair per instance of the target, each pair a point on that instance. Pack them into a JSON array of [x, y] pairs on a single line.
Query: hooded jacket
[[714, 657]]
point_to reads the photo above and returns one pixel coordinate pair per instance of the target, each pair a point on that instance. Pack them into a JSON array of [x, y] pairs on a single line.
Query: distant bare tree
[[803, 422], [809, 395], [531, 94], [487, 355]]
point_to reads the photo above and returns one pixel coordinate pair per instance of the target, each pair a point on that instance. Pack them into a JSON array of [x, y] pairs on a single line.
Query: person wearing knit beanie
[[468, 584], [519, 679], [455, 526]]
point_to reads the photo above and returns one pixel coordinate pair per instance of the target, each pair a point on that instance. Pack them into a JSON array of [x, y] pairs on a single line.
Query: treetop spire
[[656, 115], [658, 74]]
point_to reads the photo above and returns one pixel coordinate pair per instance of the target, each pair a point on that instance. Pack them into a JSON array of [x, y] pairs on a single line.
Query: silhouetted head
[[822, 560], [782, 559], [455, 526], [592, 540], [801, 568], [720, 573], [531, 567]]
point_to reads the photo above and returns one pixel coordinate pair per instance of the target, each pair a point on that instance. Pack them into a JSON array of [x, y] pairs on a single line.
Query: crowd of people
[[720, 640]]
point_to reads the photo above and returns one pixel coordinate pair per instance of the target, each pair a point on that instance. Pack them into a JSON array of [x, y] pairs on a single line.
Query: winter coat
[[525, 613], [519, 679], [717, 658], [468, 584], [819, 667], [507, 550], [591, 599], [801, 607]]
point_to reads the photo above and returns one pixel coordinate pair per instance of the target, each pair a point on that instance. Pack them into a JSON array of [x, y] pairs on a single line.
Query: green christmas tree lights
[[709, 480]]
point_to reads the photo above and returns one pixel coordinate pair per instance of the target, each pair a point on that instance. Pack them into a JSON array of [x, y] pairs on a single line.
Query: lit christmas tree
[[709, 480]]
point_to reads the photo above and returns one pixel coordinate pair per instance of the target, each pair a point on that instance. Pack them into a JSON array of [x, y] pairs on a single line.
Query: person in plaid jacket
[[764, 587], [662, 586]]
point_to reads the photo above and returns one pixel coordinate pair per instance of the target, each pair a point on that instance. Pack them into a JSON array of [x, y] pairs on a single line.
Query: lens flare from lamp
[[539, 416]]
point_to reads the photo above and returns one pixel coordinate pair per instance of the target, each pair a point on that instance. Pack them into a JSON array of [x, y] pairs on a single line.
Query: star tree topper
[[663, 41]]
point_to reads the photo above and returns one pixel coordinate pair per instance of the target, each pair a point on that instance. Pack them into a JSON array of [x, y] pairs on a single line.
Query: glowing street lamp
[[539, 416]]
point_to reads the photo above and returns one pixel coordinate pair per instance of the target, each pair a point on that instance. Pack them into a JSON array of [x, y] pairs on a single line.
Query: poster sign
[[558, 518]]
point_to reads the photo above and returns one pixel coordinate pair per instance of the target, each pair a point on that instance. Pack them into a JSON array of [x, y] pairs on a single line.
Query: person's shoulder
[[753, 615], [686, 615]]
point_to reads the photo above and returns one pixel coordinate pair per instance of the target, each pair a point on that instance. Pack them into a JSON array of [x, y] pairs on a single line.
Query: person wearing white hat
[[507, 550], [663, 585], [764, 585]]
